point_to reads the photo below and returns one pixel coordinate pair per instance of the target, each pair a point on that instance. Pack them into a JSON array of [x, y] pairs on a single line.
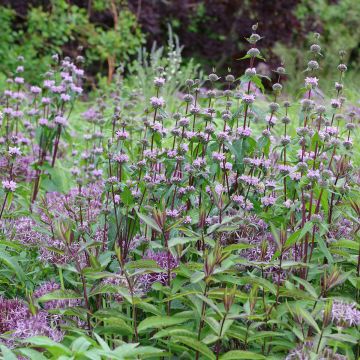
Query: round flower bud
[[342, 67], [274, 107], [323, 184], [254, 38], [189, 82], [338, 86], [316, 218], [230, 78], [277, 87], [320, 109], [326, 174], [285, 120], [285, 140], [177, 116], [253, 52], [315, 48], [213, 77], [250, 72], [313, 65], [266, 133], [188, 98], [287, 104], [302, 166], [348, 144], [350, 126]]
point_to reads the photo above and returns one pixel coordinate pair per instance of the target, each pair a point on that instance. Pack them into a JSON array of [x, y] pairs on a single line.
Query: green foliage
[[47, 32]]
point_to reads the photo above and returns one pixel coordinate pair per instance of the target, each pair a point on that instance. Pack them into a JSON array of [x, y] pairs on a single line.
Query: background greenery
[[109, 33]]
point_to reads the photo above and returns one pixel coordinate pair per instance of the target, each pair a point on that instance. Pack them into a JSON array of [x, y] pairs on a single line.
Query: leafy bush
[[202, 220], [65, 27]]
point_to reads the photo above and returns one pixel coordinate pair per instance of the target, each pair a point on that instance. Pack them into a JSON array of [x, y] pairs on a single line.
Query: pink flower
[[9, 186]]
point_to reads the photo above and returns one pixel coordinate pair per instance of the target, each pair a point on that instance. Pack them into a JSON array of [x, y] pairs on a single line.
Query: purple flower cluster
[[16, 318], [165, 261], [345, 315]]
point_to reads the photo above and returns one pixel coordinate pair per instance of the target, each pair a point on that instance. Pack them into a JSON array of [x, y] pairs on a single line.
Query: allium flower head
[[345, 315]]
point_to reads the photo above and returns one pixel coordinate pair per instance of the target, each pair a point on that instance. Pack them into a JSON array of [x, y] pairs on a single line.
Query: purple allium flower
[[345, 315], [16, 317], [36, 325]]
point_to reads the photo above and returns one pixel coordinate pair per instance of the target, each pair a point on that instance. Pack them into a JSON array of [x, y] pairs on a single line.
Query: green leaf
[[344, 243], [197, 276], [149, 221], [159, 322], [32, 354], [13, 264], [60, 295], [182, 240], [126, 197], [342, 338], [234, 247], [195, 345], [48, 344], [7, 353], [308, 287], [240, 354], [324, 249], [309, 319]]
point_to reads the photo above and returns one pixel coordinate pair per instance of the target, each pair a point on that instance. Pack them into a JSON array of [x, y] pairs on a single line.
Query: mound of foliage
[[179, 218]]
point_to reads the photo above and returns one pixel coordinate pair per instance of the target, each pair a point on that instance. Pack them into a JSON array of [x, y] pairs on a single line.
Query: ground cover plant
[[180, 217]]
